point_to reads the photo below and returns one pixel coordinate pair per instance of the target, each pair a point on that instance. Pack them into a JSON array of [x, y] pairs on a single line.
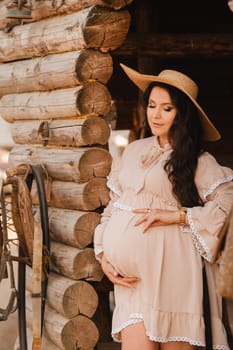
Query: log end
[[95, 194], [94, 65], [84, 229], [80, 298], [106, 29], [95, 131], [96, 162], [80, 333], [86, 266], [94, 98]]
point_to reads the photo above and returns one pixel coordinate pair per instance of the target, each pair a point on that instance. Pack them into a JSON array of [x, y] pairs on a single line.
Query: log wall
[[54, 71]]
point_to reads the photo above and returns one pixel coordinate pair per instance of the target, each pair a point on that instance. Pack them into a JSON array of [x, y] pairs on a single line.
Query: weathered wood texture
[[177, 45], [68, 164], [68, 297], [47, 343], [73, 133], [73, 227], [92, 98], [70, 195], [57, 71], [94, 27], [75, 263], [47, 8], [67, 333]]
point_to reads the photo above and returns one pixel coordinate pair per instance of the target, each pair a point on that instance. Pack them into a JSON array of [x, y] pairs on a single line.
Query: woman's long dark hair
[[185, 138]]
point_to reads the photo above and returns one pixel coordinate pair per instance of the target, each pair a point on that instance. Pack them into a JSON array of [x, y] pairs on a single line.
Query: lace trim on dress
[[184, 339], [133, 318], [113, 188], [123, 206], [197, 239], [216, 184], [136, 318]]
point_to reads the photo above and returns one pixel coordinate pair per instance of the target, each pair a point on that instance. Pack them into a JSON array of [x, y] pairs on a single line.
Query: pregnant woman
[[169, 200]]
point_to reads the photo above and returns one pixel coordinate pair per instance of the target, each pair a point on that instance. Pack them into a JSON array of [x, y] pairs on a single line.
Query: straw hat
[[181, 82]]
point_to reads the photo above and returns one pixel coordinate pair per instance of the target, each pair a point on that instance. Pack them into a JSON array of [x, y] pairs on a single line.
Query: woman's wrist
[[183, 216]]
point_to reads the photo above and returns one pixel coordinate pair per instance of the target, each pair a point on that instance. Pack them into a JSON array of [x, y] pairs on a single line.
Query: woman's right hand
[[114, 276]]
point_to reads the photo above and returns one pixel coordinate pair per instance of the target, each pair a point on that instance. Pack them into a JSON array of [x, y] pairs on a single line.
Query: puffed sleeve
[[207, 222], [115, 191]]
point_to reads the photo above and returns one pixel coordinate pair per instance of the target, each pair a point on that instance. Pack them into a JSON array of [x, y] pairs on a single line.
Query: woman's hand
[[114, 276], [157, 217]]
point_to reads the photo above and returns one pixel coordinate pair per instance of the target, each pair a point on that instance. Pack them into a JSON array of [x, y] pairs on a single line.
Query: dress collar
[[153, 153]]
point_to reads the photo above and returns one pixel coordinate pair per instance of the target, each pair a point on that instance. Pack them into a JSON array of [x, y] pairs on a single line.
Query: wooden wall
[[53, 75]]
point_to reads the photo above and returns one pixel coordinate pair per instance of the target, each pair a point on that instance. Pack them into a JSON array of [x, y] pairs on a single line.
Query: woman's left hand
[[156, 217]]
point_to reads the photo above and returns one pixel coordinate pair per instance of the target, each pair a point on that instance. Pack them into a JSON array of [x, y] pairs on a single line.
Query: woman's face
[[161, 113]]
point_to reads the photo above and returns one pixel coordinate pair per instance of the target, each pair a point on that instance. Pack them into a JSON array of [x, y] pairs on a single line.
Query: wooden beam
[[78, 164], [95, 27], [57, 71], [177, 45], [48, 8], [93, 98]]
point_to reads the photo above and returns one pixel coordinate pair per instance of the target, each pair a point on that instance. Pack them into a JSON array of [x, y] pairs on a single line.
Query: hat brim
[[142, 81]]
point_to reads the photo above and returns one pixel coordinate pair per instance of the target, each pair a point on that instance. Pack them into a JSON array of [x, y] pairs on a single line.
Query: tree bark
[[73, 164], [94, 27], [70, 195], [58, 71], [73, 133], [75, 263], [68, 297], [92, 98]]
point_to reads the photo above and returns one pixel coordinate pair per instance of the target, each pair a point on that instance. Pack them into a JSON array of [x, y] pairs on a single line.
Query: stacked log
[[53, 90]]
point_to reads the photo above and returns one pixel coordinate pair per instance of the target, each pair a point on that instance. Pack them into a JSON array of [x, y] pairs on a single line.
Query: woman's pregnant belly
[[124, 244]]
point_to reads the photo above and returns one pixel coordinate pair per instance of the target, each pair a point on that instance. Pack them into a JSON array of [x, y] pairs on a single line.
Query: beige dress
[[167, 259]]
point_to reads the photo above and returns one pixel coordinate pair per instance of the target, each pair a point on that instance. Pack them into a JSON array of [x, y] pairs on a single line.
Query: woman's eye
[[168, 109], [150, 106]]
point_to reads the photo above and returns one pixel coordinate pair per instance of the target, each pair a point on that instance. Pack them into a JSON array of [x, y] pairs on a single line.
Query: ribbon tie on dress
[[153, 154]]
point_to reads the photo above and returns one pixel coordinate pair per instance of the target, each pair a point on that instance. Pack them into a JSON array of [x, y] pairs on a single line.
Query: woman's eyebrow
[[164, 103]]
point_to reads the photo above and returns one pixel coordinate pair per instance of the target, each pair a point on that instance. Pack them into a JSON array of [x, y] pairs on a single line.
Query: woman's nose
[[156, 113]]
